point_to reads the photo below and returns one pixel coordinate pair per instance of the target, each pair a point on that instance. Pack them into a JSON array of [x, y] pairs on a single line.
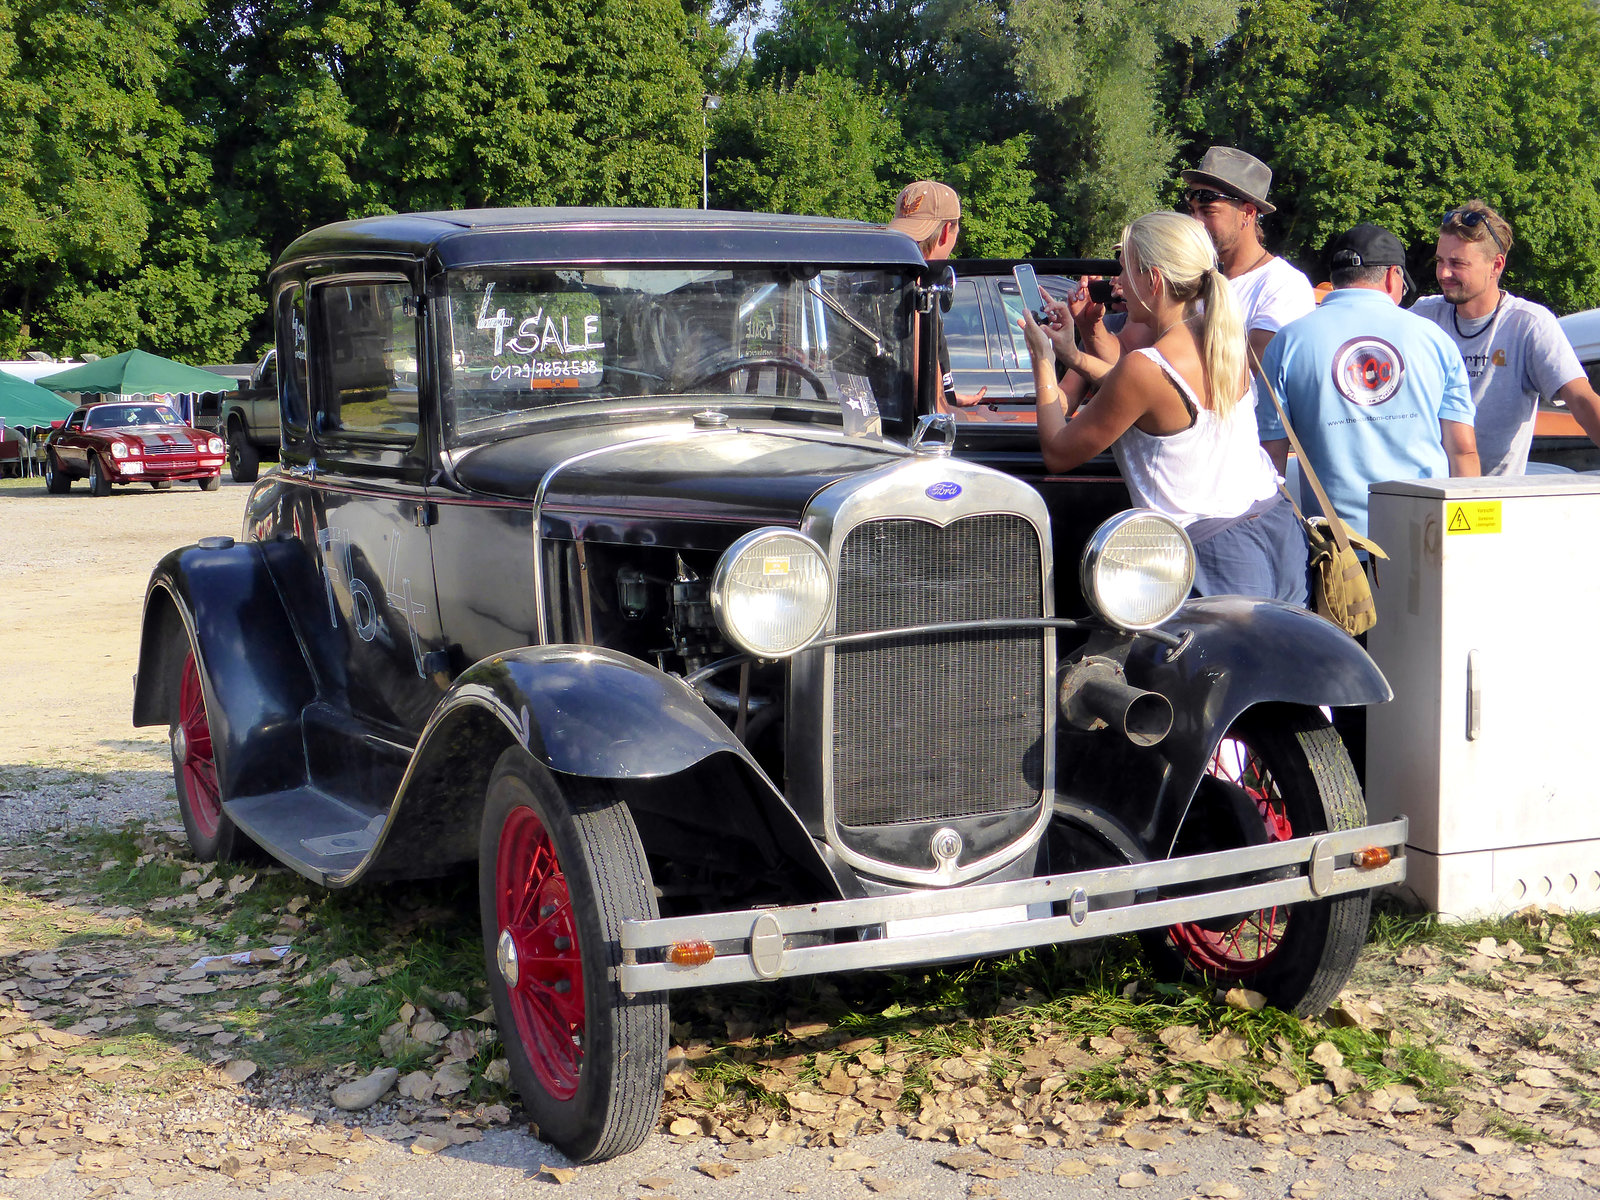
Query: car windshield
[[522, 341], [115, 416]]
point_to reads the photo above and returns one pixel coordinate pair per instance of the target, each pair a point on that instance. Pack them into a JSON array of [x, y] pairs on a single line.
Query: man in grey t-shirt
[[1514, 350]]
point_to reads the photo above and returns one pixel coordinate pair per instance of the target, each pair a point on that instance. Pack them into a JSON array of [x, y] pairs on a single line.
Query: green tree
[[109, 233], [1395, 110], [341, 108]]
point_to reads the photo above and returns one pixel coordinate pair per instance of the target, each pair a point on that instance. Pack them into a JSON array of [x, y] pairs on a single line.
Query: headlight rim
[[736, 550], [1095, 548]]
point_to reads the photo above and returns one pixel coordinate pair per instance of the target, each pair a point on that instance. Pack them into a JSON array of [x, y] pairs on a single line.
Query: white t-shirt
[[1273, 294], [1514, 355]]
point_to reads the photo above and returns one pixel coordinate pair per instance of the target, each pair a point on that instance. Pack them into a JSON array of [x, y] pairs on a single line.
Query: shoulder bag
[[1341, 591]]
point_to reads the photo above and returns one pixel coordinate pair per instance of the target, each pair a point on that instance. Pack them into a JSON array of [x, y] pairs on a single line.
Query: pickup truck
[[249, 421]]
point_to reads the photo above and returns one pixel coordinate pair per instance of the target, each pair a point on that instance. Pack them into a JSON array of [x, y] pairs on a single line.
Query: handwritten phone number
[[552, 368]]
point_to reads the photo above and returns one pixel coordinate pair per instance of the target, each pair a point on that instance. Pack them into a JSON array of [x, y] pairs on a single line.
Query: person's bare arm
[[1583, 403], [970, 399], [1259, 340], [1460, 447], [1098, 422], [1278, 451]]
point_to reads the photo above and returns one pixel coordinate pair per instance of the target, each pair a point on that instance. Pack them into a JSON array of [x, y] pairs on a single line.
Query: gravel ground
[[75, 574]]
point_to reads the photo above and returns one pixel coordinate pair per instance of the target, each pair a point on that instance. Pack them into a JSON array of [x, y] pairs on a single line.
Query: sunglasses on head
[[1200, 197], [1470, 218]]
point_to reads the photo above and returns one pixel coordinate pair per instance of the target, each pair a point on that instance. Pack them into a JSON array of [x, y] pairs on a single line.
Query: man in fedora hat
[[930, 214], [1227, 194]]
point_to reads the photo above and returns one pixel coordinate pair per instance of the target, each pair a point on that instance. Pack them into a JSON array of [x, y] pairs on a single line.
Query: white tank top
[[1215, 468]]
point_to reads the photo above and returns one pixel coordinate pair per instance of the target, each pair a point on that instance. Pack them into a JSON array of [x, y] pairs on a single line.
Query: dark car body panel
[[405, 608]]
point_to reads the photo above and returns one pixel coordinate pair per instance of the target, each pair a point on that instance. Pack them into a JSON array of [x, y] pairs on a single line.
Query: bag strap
[[1334, 523]]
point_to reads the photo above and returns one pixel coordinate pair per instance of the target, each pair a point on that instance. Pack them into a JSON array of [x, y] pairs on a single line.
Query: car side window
[[1592, 370], [293, 395], [963, 329], [364, 344], [76, 420]]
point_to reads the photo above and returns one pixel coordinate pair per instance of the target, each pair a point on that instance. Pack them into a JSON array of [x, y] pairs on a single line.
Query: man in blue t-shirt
[[1373, 392]]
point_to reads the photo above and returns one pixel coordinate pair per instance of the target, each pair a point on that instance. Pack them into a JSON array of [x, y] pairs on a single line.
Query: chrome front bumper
[[857, 935]]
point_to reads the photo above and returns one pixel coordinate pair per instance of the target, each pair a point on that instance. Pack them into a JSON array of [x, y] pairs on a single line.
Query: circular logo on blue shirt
[[1367, 370], [943, 491]]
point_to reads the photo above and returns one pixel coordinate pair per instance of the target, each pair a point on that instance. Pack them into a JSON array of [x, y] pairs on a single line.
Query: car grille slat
[[944, 726]]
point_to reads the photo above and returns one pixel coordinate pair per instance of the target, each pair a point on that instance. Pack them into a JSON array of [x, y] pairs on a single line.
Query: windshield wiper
[[815, 289]]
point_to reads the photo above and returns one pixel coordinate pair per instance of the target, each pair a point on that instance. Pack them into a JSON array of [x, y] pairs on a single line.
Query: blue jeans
[[1263, 556]]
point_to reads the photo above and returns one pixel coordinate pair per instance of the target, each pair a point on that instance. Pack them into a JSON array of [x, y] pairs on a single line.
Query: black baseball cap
[[1369, 246]]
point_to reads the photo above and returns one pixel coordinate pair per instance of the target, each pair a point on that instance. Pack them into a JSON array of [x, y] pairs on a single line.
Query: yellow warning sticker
[[1475, 516]]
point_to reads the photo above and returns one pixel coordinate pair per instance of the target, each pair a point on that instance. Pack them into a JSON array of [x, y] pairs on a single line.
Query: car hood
[[741, 473]]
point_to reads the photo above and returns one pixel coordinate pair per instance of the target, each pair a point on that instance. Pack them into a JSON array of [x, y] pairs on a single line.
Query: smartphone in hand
[[1032, 297]]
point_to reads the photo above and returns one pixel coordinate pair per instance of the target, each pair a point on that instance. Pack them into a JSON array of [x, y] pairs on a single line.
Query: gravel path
[[75, 571]]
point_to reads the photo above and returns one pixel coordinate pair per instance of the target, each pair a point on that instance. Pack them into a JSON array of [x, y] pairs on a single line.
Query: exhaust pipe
[[1095, 694]]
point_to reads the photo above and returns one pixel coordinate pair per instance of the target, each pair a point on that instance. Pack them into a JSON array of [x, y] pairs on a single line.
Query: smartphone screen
[[1028, 288]]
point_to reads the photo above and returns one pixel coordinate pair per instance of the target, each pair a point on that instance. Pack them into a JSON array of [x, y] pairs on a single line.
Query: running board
[[309, 831]]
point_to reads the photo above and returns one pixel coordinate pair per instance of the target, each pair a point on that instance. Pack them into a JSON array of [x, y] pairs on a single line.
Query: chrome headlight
[[771, 592], [1137, 569], [214, 445], [119, 450]]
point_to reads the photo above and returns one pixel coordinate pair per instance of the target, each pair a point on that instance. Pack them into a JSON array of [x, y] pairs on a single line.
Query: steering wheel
[[793, 366]]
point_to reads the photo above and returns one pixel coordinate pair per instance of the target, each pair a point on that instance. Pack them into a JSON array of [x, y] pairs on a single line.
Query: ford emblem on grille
[[943, 491]]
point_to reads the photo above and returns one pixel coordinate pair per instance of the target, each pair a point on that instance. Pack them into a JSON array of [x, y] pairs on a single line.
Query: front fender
[[1240, 653], [584, 711], [222, 601], [591, 716]]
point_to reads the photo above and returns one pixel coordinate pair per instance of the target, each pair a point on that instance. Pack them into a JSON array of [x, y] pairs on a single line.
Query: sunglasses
[[1471, 218], [1201, 197]]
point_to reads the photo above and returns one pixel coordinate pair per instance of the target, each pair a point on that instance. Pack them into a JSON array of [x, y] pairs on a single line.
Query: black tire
[[161, 485], [211, 482], [1295, 770], [56, 481], [99, 481], [212, 835], [592, 1088], [244, 463]]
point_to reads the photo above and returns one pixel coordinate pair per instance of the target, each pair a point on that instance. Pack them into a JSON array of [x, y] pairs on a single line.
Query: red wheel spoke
[[536, 911]]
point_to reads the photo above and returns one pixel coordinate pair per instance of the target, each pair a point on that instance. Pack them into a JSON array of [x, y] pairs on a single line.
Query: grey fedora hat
[[1235, 172]]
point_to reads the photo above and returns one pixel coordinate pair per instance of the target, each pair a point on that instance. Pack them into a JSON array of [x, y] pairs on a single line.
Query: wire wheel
[[538, 946], [1245, 947], [1282, 765], [192, 754]]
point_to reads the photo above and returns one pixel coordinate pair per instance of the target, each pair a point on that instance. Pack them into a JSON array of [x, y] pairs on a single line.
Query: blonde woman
[[1176, 412]]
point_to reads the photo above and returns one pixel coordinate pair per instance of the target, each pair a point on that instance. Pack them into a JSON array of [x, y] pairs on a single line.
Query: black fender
[[222, 600], [1239, 653], [598, 720]]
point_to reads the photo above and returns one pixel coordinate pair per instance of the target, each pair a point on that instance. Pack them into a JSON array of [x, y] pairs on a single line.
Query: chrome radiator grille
[[943, 726]]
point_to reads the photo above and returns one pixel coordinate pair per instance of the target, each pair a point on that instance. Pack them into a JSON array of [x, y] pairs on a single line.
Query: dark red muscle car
[[130, 443]]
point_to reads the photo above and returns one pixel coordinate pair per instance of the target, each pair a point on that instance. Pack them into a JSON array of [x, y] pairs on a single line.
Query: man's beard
[[1458, 294]]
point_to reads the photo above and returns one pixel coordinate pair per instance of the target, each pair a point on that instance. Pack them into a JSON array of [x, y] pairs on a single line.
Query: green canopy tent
[[136, 373], [24, 403]]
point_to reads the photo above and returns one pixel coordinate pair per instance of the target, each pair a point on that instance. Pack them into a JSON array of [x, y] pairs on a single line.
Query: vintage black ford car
[[622, 554]]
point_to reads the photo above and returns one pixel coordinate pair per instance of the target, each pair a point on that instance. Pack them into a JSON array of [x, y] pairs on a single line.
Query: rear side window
[[364, 345], [293, 396]]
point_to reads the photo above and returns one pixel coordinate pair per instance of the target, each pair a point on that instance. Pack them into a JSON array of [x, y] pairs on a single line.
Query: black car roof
[[481, 237]]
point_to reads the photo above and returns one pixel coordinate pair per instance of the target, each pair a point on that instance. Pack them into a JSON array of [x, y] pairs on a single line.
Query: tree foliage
[[155, 156], [1396, 110]]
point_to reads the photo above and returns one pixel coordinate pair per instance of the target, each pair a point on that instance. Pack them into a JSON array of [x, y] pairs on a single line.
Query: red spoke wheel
[[556, 881], [212, 836], [1285, 767]]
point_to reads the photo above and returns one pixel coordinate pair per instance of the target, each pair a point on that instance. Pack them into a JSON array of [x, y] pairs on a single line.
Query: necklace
[[1455, 319], [1265, 254]]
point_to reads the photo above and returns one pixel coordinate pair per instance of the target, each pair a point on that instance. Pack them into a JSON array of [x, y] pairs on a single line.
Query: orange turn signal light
[[1371, 858], [691, 954]]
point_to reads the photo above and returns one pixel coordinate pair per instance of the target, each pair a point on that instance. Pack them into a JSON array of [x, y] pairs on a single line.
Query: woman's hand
[[1086, 314], [1041, 346]]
